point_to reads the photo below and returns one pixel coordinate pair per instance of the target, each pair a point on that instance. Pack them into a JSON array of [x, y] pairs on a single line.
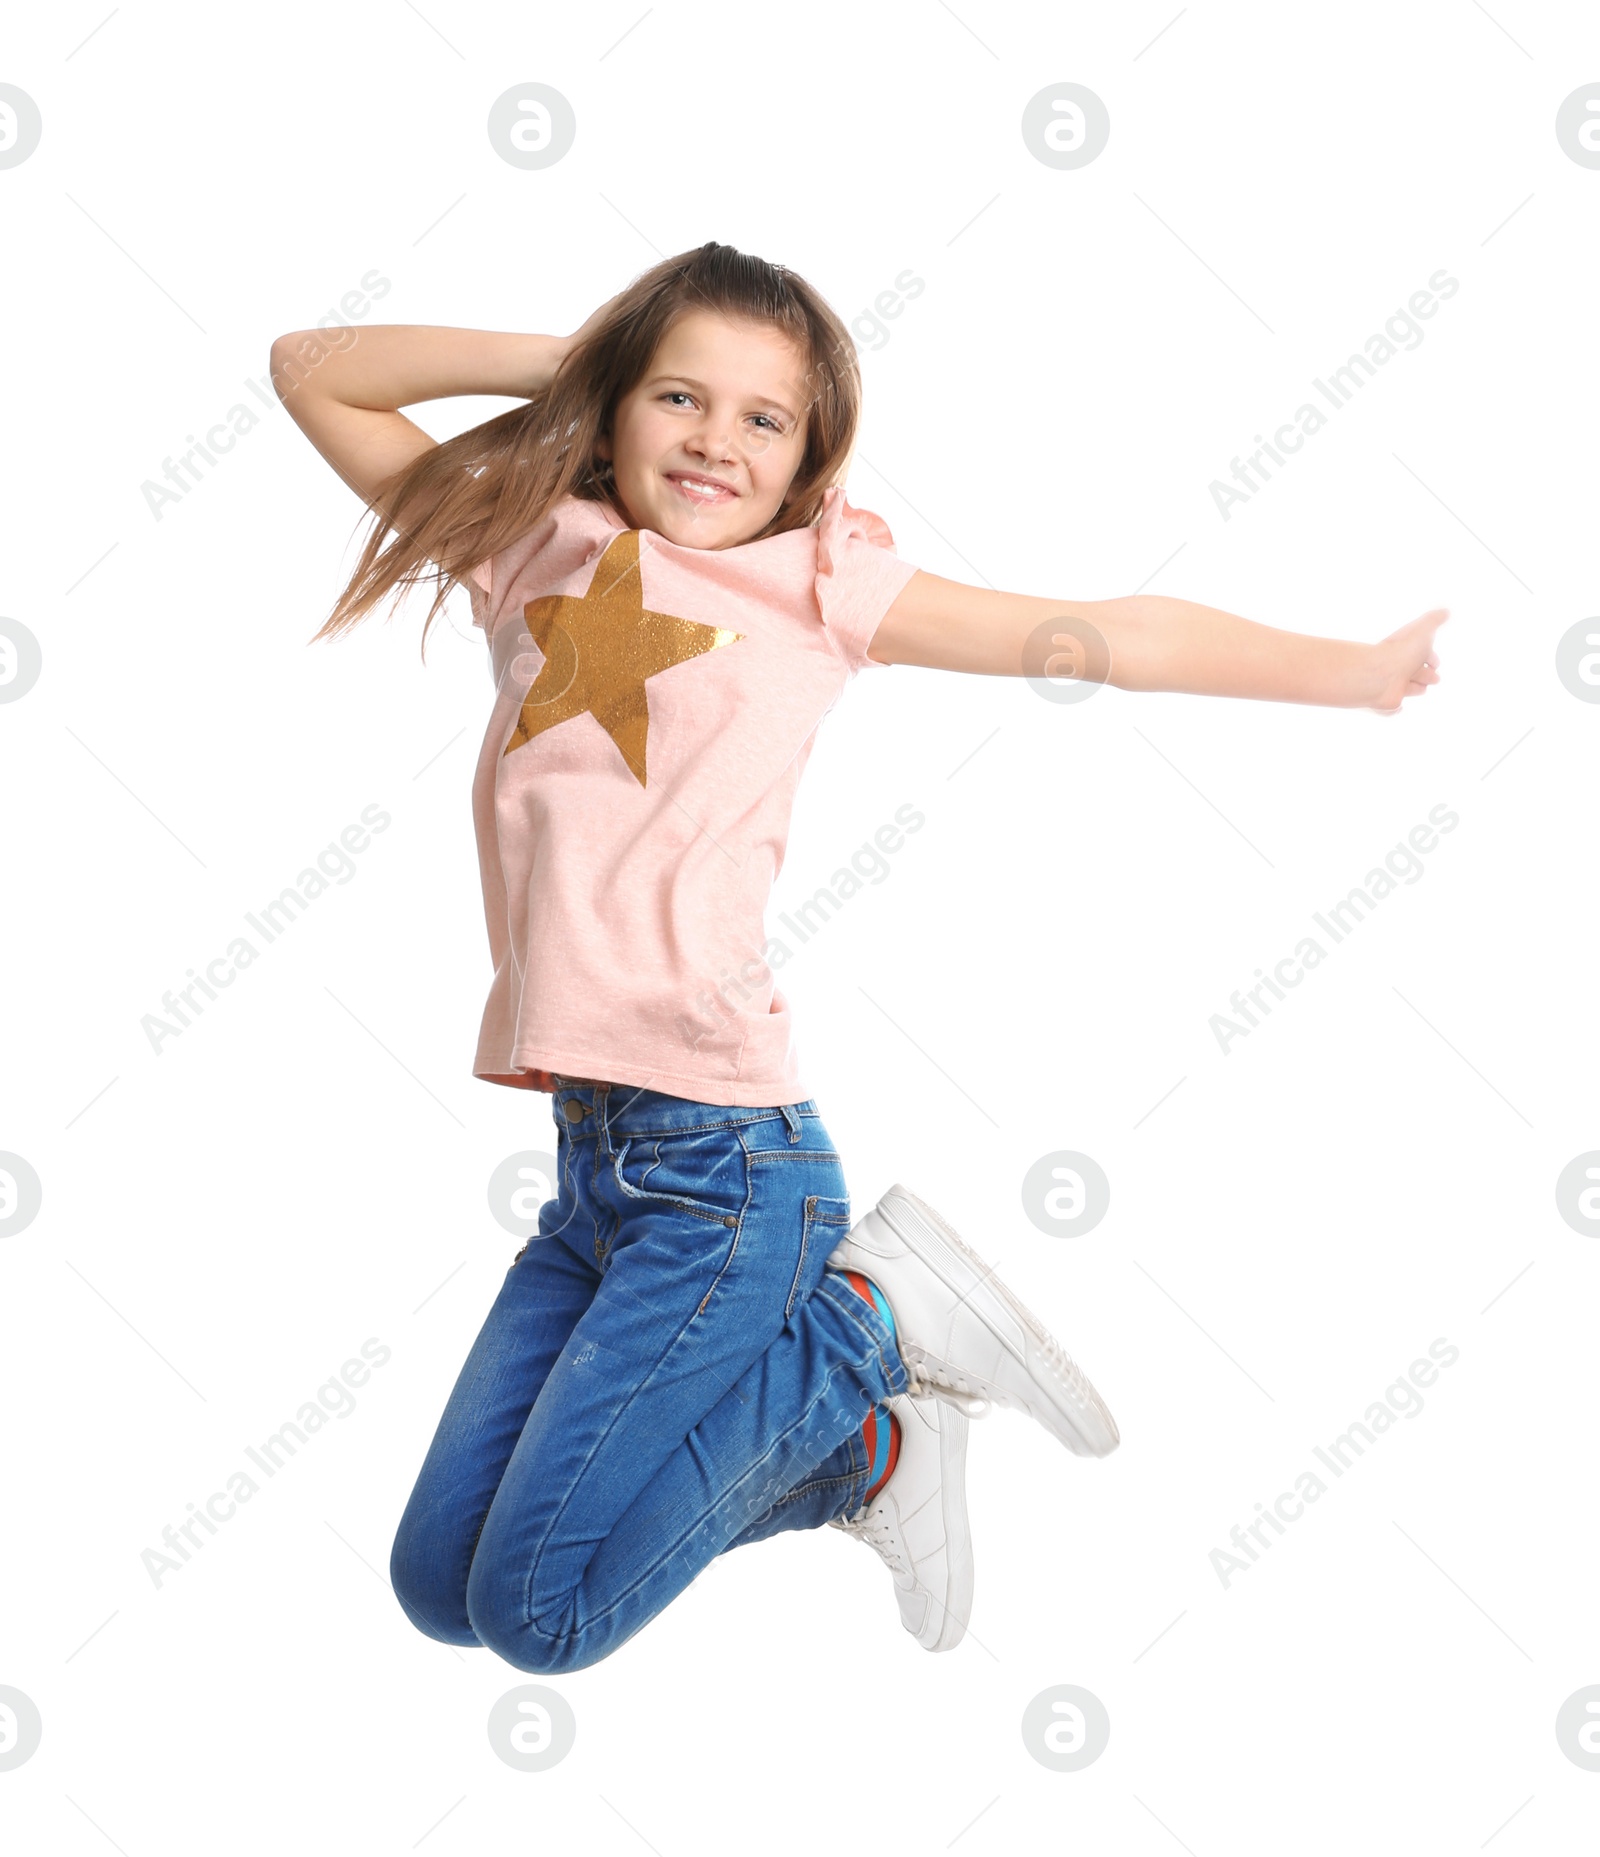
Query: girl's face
[[706, 445]]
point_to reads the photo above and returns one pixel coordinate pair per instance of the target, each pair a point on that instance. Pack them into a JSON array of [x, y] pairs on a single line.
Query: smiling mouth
[[701, 490]]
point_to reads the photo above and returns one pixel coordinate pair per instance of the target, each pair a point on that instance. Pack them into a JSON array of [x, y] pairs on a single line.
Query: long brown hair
[[468, 497]]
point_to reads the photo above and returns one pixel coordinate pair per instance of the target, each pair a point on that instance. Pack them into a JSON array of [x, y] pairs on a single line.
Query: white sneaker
[[917, 1522], [962, 1333]]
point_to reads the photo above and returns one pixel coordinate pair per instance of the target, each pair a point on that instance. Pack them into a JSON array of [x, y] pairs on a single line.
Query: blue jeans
[[668, 1371]]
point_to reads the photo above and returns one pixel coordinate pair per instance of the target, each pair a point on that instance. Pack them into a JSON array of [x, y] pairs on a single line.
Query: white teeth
[[696, 489]]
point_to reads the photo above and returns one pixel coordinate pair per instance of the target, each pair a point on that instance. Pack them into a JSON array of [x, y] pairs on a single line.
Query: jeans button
[[573, 1110]]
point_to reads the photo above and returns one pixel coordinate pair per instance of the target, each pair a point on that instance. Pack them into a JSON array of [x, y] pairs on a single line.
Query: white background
[[305, 1167]]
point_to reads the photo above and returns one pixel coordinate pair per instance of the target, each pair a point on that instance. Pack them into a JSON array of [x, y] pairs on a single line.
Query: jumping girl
[[698, 1349]]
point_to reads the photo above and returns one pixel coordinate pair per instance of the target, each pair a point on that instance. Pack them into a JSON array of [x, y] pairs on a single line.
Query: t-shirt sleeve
[[859, 576]]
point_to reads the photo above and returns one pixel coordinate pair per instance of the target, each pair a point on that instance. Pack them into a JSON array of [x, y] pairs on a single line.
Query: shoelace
[[956, 1390], [874, 1529]]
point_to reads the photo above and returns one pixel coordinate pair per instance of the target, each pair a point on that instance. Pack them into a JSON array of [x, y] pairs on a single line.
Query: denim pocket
[[703, 1172], [827, 1219]]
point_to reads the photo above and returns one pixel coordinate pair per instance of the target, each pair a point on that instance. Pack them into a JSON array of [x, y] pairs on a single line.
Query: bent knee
[[544, 1639], [436, 1606]]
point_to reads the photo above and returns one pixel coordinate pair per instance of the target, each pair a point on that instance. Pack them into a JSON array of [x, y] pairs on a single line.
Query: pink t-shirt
[[655, 707]]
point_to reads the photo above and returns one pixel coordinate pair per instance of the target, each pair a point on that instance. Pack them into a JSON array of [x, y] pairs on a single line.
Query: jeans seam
[[577, 1480], [738, 1234], [811, 1219], [709, 1213], [813, 1486], [800, 1262], [595, 1617], [859, 1466], [859, 1317], [702, 1128]]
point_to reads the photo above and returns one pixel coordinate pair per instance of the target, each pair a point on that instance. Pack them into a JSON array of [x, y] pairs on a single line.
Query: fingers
[[1413, 688]]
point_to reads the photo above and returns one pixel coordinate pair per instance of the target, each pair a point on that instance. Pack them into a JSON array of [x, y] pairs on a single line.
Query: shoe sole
[[1068, 1405], [958, 1559], [944, 1621]]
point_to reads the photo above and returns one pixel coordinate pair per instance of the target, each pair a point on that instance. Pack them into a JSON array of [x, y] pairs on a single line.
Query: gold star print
[[599, 647]]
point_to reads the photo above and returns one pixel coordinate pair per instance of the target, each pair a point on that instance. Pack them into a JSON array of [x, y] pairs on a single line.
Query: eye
[[676, 393], [772, 423]]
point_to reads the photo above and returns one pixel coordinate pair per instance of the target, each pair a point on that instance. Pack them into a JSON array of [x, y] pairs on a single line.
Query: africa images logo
[[1400, 331], [1402, 1398], [1336, 923]]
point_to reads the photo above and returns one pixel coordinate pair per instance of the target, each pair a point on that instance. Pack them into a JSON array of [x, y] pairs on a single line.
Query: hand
[[1403, 664], [582, 334]]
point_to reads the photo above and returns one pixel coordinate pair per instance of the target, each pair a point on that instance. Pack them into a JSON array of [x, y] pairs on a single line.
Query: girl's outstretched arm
[[1150, 642]]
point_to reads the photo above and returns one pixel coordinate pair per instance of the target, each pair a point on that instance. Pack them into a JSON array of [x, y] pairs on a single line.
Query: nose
[[713, 443]]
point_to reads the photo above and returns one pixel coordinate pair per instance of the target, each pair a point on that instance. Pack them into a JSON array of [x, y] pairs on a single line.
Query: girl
[[698, 1349]]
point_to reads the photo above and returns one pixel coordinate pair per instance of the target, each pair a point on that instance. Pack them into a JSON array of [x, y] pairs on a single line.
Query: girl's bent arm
[[1151, 642], [344, 386]]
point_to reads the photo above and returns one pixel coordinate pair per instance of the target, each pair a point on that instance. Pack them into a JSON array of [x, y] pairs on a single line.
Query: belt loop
[[602, 1103], [789, 1116]]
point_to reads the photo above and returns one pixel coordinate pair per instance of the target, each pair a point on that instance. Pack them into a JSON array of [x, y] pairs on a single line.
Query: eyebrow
[[689, 381]]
